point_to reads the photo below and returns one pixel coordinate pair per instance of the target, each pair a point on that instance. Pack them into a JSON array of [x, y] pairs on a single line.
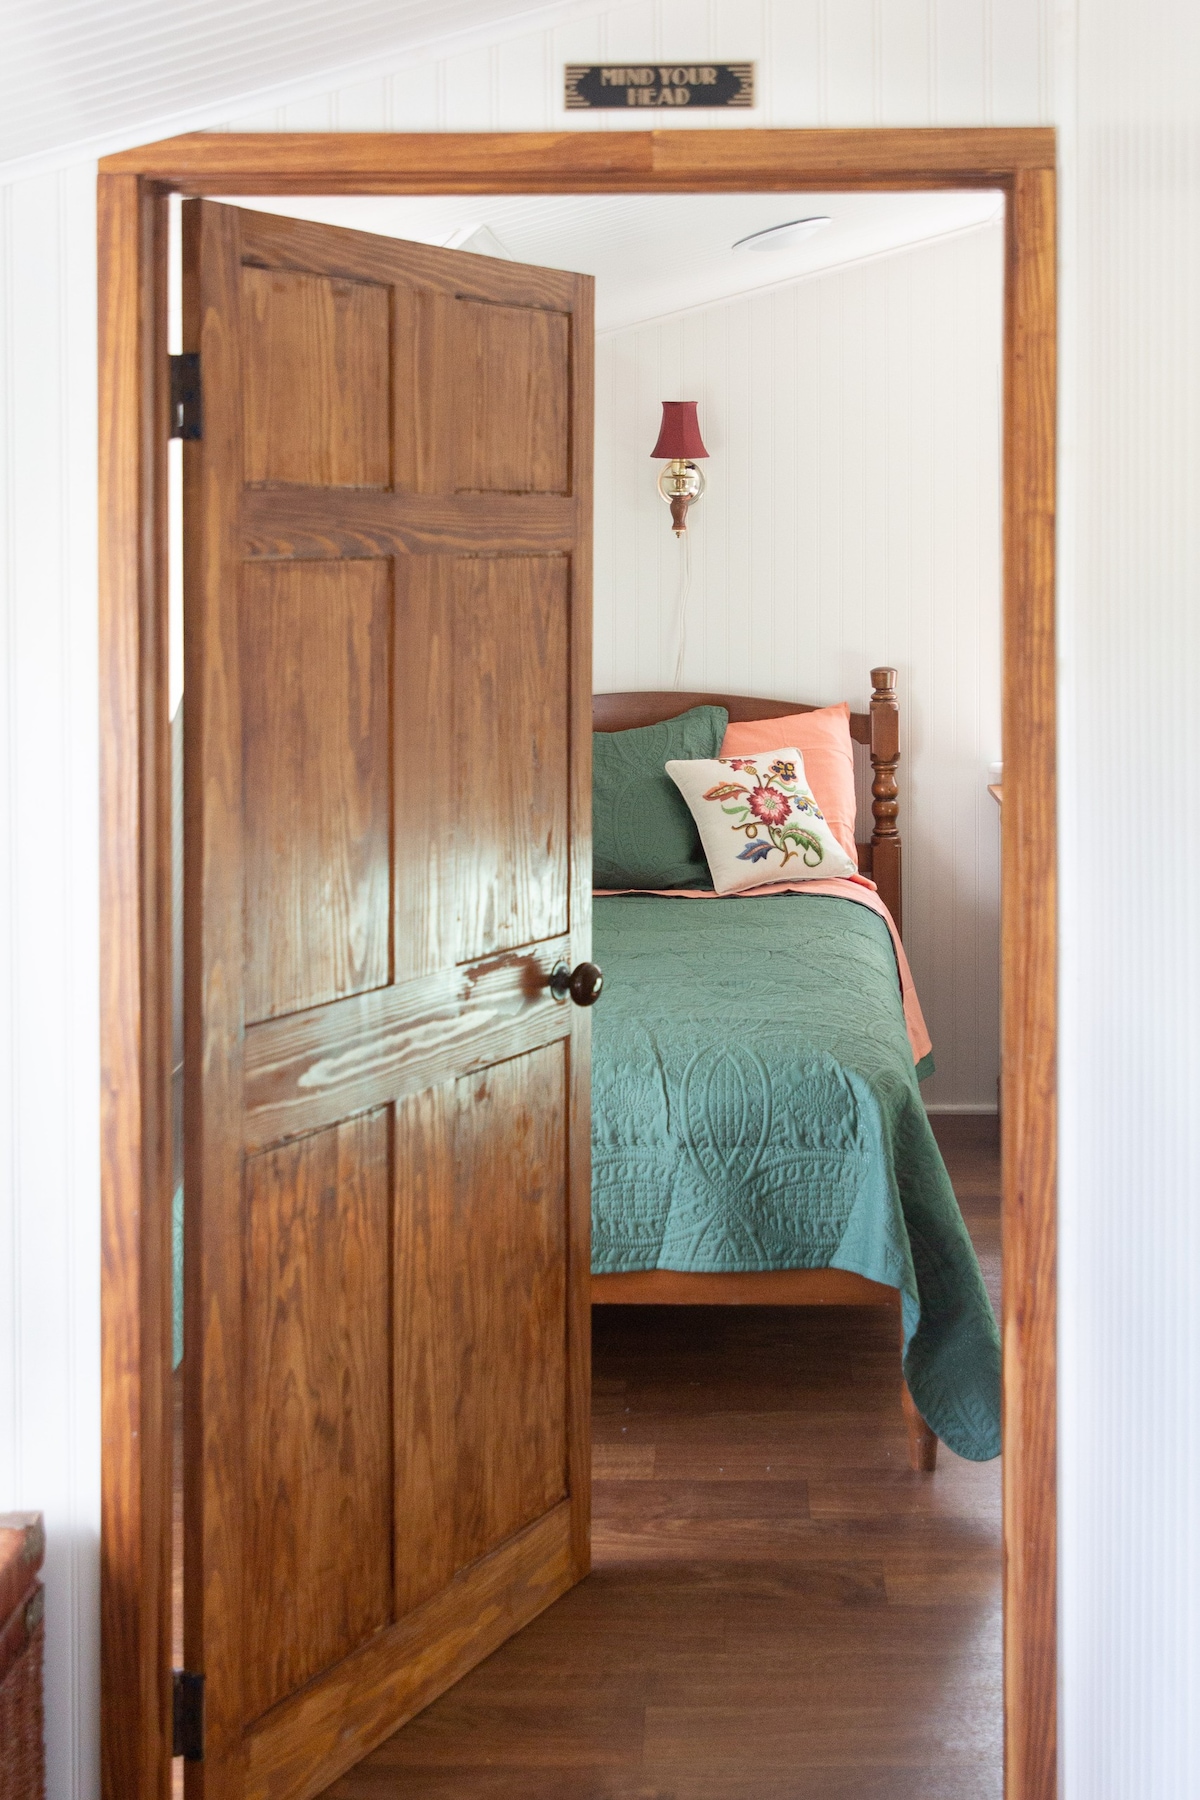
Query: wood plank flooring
[[779, 1608]]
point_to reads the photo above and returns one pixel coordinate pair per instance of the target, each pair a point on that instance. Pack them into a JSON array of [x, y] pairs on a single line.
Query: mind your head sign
[[659, 85]]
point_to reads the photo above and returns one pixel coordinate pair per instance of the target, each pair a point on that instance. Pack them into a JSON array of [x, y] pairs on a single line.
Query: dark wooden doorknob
[[581, 984]]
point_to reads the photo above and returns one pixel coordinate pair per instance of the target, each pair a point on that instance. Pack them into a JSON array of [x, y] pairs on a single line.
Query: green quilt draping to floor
[[755, 1106]]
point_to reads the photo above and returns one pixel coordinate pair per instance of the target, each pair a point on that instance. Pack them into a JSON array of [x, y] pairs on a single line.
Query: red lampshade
[[679, 434]]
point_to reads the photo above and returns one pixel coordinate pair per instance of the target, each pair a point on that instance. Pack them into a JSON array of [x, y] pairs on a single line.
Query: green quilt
[[755, 1106]]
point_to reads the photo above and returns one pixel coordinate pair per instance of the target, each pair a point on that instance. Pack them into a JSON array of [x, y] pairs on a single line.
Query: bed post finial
[[885, 791]]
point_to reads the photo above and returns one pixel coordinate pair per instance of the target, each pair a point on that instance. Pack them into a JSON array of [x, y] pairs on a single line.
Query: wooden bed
[[879, 857]]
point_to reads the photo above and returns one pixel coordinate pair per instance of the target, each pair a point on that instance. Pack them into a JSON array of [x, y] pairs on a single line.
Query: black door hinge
[[188, 1716], [186, 421]]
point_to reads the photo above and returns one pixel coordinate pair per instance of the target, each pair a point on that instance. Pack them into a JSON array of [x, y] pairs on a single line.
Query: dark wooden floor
[[778, 1608]]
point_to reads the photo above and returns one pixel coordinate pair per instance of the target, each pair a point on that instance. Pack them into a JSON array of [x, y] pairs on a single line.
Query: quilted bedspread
[[755, 1106]]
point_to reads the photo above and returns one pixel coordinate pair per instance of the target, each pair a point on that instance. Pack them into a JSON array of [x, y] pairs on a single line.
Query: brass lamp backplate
[[681, 478]]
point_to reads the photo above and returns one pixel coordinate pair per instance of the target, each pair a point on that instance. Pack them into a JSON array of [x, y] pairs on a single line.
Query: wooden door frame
[[135, 811]]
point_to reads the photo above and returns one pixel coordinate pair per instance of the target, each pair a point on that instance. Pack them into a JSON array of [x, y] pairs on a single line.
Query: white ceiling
[[656, 254], [96, 75]]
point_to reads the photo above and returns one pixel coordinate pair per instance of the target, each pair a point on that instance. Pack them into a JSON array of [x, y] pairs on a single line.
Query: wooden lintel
[[323, 162]]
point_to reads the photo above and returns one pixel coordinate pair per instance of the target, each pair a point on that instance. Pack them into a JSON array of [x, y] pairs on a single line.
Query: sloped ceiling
[[95, 75]]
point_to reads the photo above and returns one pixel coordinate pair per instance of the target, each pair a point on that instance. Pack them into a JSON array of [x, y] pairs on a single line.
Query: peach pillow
[[823, 740]]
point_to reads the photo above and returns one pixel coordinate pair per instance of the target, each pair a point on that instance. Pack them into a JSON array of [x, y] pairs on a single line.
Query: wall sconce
[[681, 483]]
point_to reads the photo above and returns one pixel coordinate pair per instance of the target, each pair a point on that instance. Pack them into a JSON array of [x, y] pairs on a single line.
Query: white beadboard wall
[[852, 518], [49, 1079], [1130, 1200], [820, 62], [1121, 83]]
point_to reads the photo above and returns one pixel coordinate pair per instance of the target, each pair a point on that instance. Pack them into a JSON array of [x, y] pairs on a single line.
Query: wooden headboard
[[878, 730]]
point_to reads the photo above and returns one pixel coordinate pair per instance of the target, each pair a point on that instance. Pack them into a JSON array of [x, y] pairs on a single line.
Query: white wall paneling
[[852, 518], [49, 1159], [820, 62], [1130, 1255], [1130, 1198]]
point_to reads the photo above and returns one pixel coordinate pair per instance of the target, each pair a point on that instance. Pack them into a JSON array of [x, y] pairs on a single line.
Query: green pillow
[[643, 835]]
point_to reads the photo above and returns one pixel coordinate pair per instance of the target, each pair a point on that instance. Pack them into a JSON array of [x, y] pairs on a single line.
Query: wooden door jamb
[[135, 811]]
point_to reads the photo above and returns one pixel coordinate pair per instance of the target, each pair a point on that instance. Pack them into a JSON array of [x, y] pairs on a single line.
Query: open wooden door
[[387, 853]]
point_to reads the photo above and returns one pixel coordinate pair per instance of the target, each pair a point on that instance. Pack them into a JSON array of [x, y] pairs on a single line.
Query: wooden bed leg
[[922, 1442]]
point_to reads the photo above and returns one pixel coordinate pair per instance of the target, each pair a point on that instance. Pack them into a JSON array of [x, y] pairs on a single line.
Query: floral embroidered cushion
[[758, 820], [643, 835]]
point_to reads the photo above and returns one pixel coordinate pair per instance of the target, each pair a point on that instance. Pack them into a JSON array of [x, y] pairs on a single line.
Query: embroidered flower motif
[[769, 805], [769, 810]]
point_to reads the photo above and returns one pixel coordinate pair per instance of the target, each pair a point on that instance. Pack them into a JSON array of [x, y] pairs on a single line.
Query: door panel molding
[[135, 1599]]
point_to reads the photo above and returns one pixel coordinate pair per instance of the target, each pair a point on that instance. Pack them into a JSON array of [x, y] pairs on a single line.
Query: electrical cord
[[685, 584]]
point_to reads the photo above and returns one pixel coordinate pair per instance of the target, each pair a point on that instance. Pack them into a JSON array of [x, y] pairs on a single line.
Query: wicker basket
[[22, 1634]]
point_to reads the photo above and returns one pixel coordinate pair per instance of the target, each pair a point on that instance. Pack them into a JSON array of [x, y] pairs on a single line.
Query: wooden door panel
[[297, 1749], [386, 855], [515, 399], [424, 389], [511, 748], [317, 782], [481, 1378], [318, 1577], [509, 1228], [332, 427], [424, 680]]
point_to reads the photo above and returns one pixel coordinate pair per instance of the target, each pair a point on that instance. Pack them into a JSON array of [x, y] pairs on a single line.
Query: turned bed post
[[885, 792], [885, 871]]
